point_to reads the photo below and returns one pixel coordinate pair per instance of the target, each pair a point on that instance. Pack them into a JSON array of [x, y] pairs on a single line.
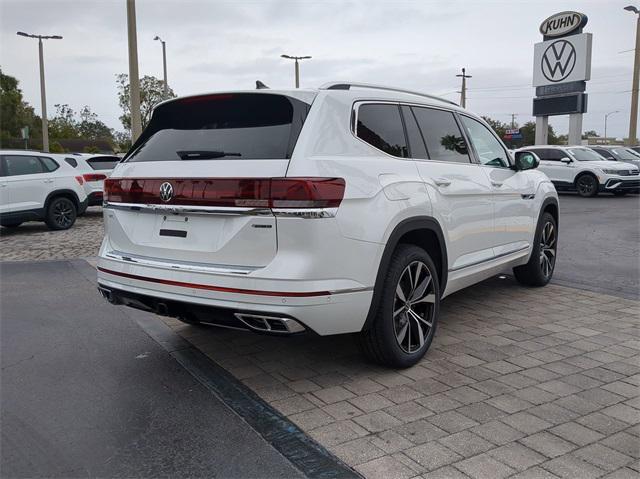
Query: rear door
[[5, 199], [458, 188], [180, 194]]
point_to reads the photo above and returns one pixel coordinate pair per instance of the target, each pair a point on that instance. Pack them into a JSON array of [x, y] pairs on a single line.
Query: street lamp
[[43, 96], [289, 57], [633, 121], [164, 66], [605, 124]]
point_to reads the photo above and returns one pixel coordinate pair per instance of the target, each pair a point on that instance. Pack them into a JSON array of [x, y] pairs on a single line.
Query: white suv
[[345, 209], [38, 186], [94, 169], [578, 168]]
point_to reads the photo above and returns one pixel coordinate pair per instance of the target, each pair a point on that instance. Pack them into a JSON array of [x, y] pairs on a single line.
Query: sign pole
[[575, 129], [542, 130]]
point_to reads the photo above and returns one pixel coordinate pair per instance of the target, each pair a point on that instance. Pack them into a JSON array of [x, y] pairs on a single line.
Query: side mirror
[[525, 160], [566, 160], [611, 158]]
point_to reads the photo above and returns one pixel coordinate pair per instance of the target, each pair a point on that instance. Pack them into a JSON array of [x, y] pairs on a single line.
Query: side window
[[555, 155], [416, 143], [381, 127], [489, 150], [541, 152], [23, 165], [49, 164], [442, 136], [72, 161]]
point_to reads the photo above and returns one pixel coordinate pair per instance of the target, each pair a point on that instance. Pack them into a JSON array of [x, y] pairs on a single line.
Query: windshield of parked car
[[585, 154], [625, 154], [234, 126]]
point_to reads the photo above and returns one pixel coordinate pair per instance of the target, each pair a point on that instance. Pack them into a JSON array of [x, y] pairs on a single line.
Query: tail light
[[80, 180], [94, 177], [243, 192]]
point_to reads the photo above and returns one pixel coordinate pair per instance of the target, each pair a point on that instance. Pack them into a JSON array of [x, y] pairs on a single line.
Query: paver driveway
[[518, 382]]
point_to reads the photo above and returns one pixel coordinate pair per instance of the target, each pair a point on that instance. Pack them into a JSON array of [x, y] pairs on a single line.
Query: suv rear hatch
[[194, 188]]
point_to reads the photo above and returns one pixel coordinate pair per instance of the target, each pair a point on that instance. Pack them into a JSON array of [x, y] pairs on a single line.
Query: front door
[[513, 191]]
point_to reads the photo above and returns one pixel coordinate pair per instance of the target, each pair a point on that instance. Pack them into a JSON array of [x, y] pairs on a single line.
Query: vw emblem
[[558, 61], [166, 191]]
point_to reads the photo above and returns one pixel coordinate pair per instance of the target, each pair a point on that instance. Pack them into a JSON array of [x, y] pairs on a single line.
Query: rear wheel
[[587, 185], [406, 319], [61, 213], [539, 270]]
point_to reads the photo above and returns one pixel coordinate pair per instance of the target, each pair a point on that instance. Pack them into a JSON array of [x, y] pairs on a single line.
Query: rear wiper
[[204, 154]]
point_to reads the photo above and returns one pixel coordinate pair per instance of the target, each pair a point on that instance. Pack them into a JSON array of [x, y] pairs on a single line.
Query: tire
[[587, 185], [10, 224], [539, 270], [400, 340], [619, 193], [61, 214]]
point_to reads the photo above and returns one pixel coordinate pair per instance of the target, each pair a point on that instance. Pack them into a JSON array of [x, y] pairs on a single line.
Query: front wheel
[[405, 322], [587, 186], [539, 270]]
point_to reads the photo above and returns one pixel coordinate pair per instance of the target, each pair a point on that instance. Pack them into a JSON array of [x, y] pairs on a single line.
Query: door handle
[[48, 181], [442, 181], [497, 184]]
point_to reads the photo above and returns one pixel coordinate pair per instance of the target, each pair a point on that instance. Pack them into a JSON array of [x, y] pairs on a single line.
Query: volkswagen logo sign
[[558, 60], [166, 191]]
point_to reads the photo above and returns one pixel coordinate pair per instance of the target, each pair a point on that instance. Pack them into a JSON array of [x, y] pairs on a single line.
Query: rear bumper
[[95, 198], [216, 298]]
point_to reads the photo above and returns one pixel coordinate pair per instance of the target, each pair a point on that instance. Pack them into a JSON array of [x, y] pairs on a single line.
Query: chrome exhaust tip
[[270, 324]]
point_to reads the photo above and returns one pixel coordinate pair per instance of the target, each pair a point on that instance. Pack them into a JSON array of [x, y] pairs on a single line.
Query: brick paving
[[33, 241], [519, 382]]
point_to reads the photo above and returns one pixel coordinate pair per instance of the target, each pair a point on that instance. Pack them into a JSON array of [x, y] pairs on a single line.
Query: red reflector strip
[[238, 192], [94, 177], [80, 180], [222, 289]]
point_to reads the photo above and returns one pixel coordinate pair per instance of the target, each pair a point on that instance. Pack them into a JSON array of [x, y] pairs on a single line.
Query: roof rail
[[348, 85]]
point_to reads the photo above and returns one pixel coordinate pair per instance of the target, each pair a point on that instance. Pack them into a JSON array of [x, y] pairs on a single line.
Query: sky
[[221, 45]]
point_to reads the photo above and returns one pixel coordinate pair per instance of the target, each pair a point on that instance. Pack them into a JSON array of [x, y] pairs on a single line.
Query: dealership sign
[[566, 59], [562, 23]]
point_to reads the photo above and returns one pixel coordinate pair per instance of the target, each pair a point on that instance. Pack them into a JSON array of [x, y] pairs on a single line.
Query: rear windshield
[[245, 126], [103, 162]]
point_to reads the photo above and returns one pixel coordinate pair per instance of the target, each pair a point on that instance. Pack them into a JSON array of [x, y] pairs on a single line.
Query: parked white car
[[95, 168], [37, 186], [579, 168], [345, 209]]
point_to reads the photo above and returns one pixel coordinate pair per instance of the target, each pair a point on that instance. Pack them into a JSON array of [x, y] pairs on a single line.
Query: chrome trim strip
[[351, 290], [476, 263], [307, 213], [185, 209], [181, 266]]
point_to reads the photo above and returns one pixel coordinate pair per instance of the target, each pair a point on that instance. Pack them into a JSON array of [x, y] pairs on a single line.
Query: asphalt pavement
[[86, 392], [599, 244]]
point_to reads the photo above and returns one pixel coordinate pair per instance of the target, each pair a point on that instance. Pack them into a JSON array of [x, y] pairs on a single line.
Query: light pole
[[289, 57], [43, 95], [463, 92], [633, 121], [164, 65], [134, 78], [605, 125]]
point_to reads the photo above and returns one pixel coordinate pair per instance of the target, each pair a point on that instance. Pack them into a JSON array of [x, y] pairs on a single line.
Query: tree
[[499, 127], [122, 140], [67, 125], [63, 125], [528, 131], [91, 128], [151, 93], [589, 134], [15, 113]]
